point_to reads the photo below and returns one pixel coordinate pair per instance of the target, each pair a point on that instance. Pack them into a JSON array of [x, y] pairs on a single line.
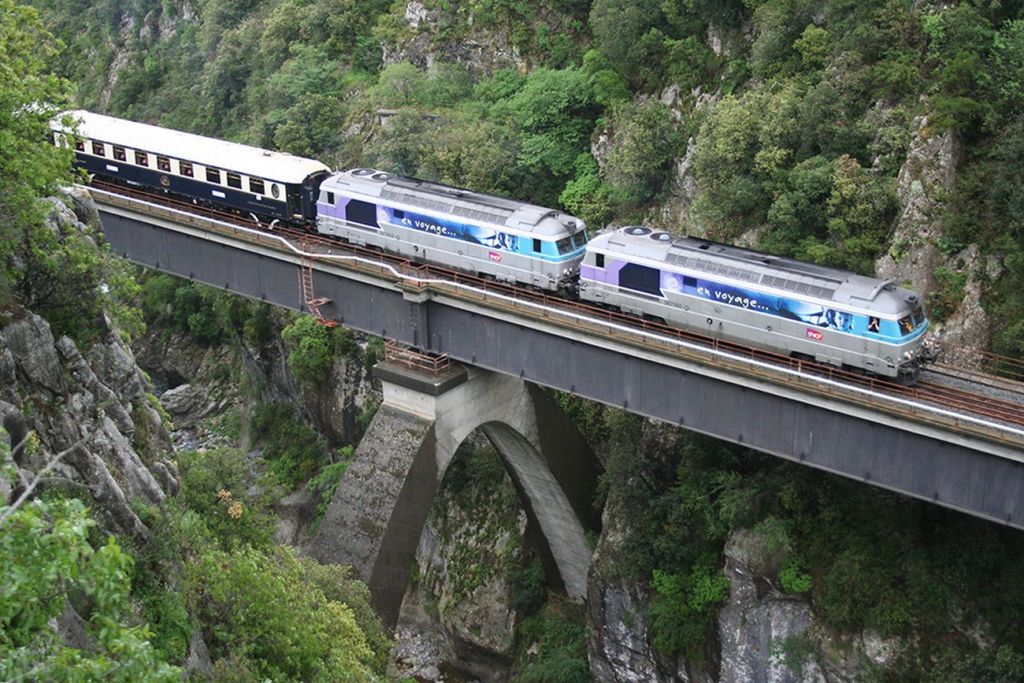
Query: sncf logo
[[814, 334], [494, 256]]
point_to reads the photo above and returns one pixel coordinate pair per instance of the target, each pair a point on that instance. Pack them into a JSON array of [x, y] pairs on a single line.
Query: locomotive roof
[[436, 197], [252, 161], [760, 269]]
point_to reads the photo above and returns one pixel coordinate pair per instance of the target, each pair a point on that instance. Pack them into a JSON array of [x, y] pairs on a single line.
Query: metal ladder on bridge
[[309, 297]]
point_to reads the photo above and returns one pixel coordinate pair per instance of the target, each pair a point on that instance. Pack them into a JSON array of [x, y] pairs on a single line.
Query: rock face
[[98, 403], [93, 405], [207, 384], [458, 613], [481, 53], [757, 620], [927, 176]]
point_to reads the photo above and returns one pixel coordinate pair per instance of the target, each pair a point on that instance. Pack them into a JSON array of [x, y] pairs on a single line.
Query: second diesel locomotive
[[494, 237], [783, 305]]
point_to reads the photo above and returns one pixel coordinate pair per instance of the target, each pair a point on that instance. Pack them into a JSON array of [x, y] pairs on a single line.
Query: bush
[[294, 451], [313, 347], [233, 502], [683, 608], [643, 144], [47, 563], [558, 634], [266, 610], [326, 483], [948, 293]]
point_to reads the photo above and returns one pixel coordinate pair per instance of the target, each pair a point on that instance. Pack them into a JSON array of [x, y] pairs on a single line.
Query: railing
[[417, 360]]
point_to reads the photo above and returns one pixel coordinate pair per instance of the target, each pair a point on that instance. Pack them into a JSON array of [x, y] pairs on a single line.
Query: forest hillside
[[201, 435]]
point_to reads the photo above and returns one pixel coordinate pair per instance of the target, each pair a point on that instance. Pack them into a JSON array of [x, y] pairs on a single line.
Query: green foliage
[[46, 561], [313, 347], [792, 576], [528, 588], [651, 44], [587, 196], [57, 271], [217, 486], [293, 451], [683, 608], [948, 293], [558, 634], [208, 315], [960, 39], [267, 612], [644, 142], [324, 484]]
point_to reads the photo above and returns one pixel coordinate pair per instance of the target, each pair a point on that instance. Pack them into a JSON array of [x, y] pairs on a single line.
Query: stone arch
[[377, 515]]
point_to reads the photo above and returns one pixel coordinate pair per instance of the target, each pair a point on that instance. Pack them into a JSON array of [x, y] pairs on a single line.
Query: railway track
[[1006, 408]]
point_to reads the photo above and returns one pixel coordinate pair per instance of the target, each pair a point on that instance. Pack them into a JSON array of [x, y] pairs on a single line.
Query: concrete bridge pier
[[377, 515]]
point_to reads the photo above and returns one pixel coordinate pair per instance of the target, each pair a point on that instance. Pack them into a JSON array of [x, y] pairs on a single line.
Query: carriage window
[[185, 168], [874, 324], [600, 261], [536, 245], [163, 163], [97, 149], [142, 159], [906, 325], [80, 145], [234, 180], [564, 245], [213, 175], [257, 186], [119, 153], [330, 200]]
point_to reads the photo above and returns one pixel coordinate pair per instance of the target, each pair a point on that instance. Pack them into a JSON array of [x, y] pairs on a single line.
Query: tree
[[266, 614], [48, 564], [643, 143], [30, 168]]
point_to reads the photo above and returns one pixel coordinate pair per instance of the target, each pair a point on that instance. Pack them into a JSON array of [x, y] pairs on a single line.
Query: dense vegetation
[[869, 561], [815, 104], [795, 117]]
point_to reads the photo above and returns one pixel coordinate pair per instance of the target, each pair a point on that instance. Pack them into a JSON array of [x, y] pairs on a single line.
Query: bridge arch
[[377, 515]]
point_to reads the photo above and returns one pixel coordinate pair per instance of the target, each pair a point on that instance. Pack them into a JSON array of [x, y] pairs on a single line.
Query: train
[[779, 304]]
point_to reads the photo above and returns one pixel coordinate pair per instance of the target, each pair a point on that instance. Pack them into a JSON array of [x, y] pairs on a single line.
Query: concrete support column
[[377, 515]]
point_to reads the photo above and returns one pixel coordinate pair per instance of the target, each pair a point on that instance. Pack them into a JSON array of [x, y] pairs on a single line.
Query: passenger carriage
[[427, 222], [228, 175], [787, 306]]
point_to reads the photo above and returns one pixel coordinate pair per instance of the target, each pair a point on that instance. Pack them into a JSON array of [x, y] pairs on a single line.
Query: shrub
[[218, 486], [46, 561], [558, 636], [265, 609], [326, 483], [294, 451]]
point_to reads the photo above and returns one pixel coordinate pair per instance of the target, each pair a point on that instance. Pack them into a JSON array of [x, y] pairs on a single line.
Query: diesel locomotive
[[779, 304]]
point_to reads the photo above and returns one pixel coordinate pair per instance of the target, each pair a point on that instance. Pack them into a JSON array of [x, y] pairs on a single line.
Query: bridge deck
[[936, 454]]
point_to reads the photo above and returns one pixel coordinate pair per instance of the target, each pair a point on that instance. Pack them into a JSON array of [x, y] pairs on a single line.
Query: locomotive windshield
[[573, 241]]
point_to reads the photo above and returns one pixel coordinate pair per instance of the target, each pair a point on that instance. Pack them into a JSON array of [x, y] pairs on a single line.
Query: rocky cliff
[[93, 405]]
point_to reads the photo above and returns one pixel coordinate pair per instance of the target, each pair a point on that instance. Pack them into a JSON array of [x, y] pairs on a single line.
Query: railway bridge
[[935, 448]]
